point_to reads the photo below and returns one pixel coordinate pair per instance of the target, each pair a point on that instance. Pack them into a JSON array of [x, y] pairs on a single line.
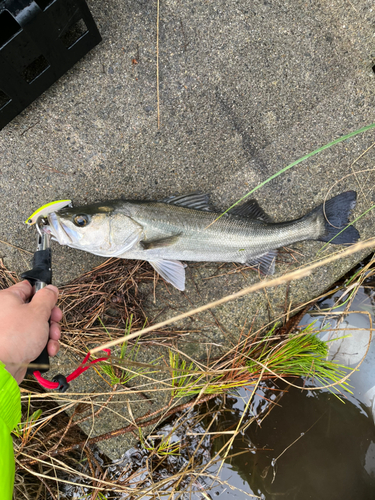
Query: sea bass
[[185, 228]]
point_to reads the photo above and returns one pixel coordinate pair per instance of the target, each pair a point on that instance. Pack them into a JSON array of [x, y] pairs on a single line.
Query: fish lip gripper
[[40, 40]]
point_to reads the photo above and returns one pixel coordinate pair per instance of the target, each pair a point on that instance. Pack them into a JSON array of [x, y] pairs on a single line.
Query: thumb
[[45, 300]]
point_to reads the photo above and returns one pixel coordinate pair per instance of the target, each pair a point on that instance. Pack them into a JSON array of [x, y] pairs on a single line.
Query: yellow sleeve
[[10, 416]]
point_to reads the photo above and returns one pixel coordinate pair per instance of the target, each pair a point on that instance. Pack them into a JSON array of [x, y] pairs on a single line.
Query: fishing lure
[[45, 210]]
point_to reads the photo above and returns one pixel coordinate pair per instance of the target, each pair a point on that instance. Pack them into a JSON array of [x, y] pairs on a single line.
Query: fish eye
[[81, 220]]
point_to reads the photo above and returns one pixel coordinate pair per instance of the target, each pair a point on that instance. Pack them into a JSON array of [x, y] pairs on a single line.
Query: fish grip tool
[[40, 276]]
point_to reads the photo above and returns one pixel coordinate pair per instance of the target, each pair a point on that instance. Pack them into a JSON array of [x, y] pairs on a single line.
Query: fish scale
[[231, 238]]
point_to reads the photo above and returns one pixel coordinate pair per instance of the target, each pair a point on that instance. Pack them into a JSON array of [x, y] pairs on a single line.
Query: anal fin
[[265, 262]]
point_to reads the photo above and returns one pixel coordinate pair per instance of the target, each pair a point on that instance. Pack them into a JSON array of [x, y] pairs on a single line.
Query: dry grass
[[109, 292], [7, 278]]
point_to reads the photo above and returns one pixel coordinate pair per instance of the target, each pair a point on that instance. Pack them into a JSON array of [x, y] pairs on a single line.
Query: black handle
[[42, 359], [41, 273]]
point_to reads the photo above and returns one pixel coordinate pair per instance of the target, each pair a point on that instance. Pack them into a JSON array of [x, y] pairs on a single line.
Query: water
[[312, 445], [359, 344]]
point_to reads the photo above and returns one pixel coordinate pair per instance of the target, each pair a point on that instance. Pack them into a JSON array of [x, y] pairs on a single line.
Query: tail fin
[[336, 212]]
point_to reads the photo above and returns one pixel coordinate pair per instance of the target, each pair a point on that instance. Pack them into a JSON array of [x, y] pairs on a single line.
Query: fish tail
[[333, 216]]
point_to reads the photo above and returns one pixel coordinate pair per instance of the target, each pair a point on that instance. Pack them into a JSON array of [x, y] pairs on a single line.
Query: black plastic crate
[[39, 41]]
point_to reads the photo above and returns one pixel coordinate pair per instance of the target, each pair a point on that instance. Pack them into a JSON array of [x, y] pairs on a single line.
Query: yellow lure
[[46, 209]]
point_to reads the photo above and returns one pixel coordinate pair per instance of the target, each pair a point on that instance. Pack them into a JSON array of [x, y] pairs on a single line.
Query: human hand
[[24, 326]]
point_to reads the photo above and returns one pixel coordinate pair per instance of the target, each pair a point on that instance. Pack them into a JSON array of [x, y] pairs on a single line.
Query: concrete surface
[[245, 89]]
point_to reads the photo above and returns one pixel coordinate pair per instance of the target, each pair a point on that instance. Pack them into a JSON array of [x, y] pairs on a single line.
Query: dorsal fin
[[252, 210], [197, 201]]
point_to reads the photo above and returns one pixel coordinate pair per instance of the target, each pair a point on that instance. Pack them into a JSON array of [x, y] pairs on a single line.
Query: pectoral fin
[[160, 243], [172, 271]]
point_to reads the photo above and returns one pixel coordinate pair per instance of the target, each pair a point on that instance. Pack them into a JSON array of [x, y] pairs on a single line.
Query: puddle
[[313, 446], [359, 343]]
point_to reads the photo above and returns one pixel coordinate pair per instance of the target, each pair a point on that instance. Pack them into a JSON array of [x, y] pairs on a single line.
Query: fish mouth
[[60, 232]]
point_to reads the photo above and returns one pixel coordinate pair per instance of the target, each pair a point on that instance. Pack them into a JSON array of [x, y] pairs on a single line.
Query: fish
[[185, 228]]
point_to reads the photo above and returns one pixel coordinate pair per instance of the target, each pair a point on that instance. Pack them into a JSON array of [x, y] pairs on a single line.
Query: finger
[[53, 347], [44, 301], [54, 331], [56, 314], [23, 291]]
